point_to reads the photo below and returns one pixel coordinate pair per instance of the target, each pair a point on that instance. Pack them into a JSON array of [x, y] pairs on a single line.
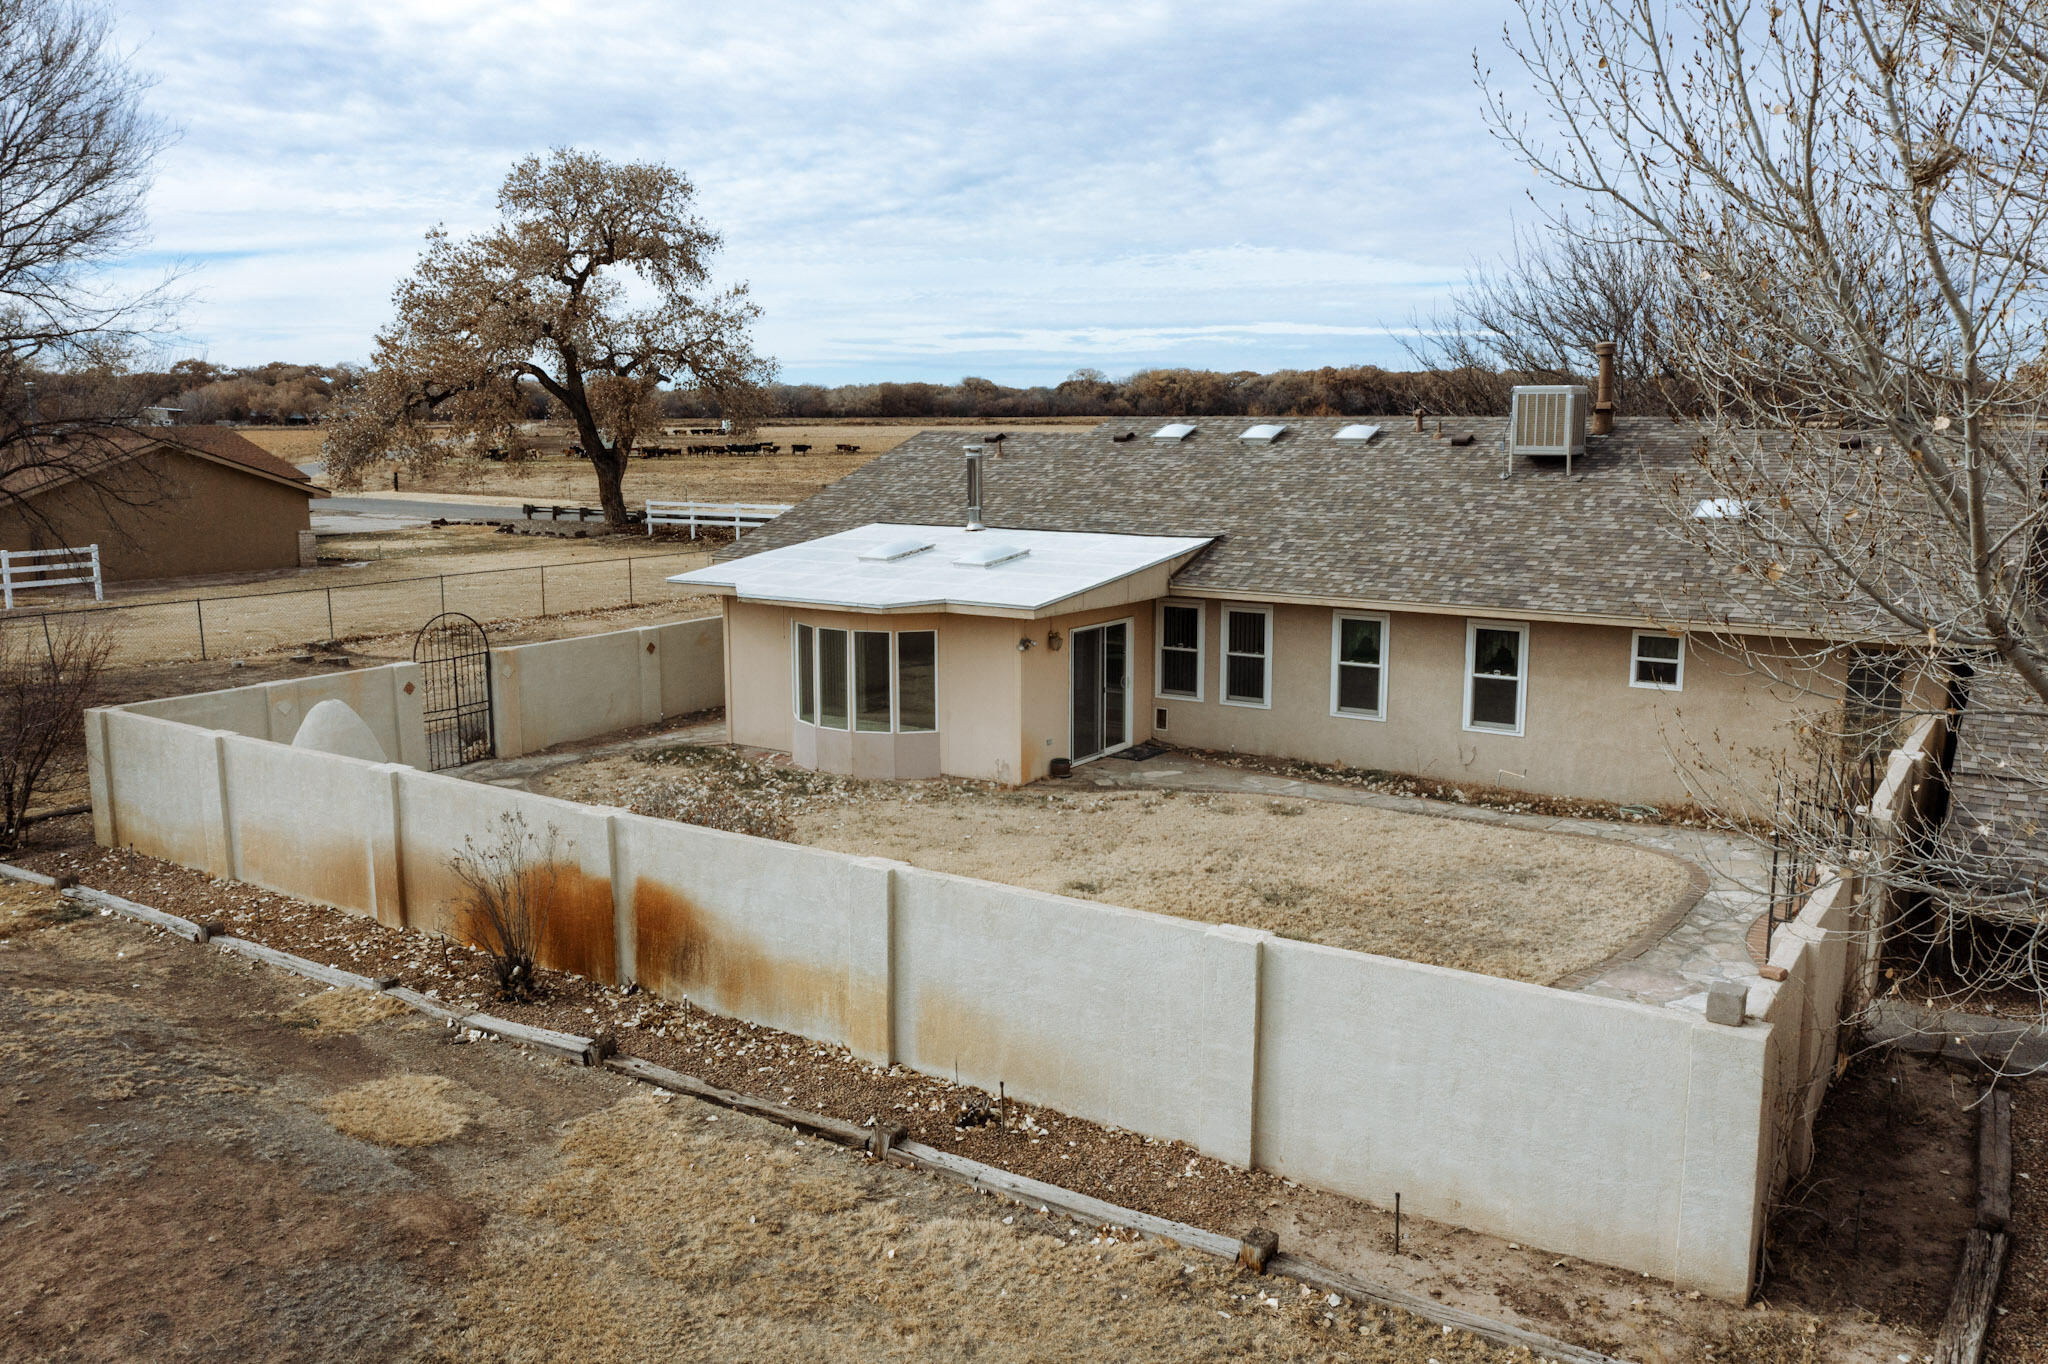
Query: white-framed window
[[1656, 660], [872, 681], [1496, 676], [1179, 669], [1358, 665], [1248, 656]]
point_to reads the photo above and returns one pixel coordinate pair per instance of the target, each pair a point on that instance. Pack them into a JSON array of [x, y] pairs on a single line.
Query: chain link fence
[[232, 626]]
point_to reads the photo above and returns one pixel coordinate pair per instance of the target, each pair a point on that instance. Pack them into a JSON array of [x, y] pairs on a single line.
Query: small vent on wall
[[1159, 719]]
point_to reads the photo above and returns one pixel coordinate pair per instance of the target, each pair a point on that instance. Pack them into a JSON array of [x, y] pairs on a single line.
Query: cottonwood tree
[[1850, 197], [77, 152], [594, 285]]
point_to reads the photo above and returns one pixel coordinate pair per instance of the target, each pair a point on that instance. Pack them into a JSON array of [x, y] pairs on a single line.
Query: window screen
[[917, 681], [1360, 641], [871, 681], [1657, 660], [1180, 650], [832, 679], [1496, 682], [806, 676], [1245, 659]]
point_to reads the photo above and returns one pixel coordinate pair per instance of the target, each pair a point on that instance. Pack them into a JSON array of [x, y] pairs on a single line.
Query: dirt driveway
[[178, 1181]]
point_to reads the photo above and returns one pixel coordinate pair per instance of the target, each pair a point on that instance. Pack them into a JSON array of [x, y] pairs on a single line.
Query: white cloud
[[1242, 185]]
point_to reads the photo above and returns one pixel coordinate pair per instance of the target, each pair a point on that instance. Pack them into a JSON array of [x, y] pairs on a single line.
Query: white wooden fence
[[695, 514], [21, 569]]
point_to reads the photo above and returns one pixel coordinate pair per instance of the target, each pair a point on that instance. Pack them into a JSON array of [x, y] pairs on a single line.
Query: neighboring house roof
[[889, 567], [109, 449], [1403, 520], [1998, 786]]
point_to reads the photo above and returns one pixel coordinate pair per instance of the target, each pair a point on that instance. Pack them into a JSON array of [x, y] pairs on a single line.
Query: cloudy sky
[[913, 189]]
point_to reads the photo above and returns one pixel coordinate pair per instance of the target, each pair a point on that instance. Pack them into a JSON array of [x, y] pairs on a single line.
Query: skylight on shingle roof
[[1174, 431], [1358, 431], [1720, 509], [1264, 431]]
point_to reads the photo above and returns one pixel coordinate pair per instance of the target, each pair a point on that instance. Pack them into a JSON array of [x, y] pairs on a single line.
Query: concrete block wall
[[562, 690], [388, 698], [1634, 1136]]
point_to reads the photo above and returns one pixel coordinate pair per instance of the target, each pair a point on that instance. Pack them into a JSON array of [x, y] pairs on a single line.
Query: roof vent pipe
[[974, 487], [1603, 395]]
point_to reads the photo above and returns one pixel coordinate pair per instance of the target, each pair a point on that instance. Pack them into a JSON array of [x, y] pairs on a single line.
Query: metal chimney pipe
[[974, 487], [1603, 396]]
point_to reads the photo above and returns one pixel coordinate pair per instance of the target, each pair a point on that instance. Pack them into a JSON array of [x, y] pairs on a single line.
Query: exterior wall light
[[1026, 643], [1053, 640]]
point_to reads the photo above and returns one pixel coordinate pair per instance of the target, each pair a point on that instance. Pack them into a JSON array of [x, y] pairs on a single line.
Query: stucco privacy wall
[[388, 698], [1622, 1133], [567, 689], [1830, 951]]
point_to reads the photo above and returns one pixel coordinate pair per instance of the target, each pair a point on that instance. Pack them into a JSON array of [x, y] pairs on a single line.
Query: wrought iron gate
[[454, 656]]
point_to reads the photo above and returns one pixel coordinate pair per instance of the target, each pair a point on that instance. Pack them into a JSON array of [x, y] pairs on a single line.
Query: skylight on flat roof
[[891, 551], [1264, 431], [1358, 431], [1174, 431], [988, 556]]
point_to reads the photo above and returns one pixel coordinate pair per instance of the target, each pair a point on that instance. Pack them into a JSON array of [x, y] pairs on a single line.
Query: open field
[[1505, 902], [494, 578], [703, 478]]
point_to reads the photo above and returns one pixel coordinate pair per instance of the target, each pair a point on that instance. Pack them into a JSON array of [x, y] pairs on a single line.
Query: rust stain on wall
[[683, 953], [581, 934], [951, 1036], [329, 872]]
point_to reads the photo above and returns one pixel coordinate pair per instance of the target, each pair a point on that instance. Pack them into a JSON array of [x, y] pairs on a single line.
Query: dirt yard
[[1857, 1291], [1505, 902], [205, 1159]]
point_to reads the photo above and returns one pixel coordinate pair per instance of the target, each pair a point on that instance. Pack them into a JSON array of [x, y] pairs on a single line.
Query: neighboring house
[[1998, 785], [166, 504], [1363, 593]]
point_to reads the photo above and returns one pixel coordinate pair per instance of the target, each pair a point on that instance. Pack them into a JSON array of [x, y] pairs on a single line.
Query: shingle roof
[[108, 448], [1407, 519], [2001, 765]]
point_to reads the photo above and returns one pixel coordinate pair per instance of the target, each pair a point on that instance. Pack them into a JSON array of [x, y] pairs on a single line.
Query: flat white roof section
[[1358, 432], [1264, 431], [1174, 431], [1008, 570]]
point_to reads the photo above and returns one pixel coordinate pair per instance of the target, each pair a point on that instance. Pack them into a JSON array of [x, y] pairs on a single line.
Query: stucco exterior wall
[[1003, 712], [202, 518], [1586, 731]]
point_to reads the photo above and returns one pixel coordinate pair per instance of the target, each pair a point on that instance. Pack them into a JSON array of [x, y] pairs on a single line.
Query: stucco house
[[167, 502], [1503, 601]]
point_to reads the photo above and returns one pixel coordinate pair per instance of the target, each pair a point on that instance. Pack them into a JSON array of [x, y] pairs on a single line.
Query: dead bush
[[508, 893], [48, 676], [719, 808]]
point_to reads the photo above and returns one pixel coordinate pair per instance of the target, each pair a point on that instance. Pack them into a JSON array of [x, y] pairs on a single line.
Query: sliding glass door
[[1101, 689]]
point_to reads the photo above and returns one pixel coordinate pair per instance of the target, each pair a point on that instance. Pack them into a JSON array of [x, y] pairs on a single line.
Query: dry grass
[[1505, 902], [341, 1010], [299, 444], [25, 907], [667, 1226], [400, 1110]]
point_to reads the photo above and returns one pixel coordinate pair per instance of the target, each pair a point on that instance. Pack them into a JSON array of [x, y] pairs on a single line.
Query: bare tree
[[45, 684], [77, 151], [550, 296], [1534, 316], [1851, 197], [508, 895]]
